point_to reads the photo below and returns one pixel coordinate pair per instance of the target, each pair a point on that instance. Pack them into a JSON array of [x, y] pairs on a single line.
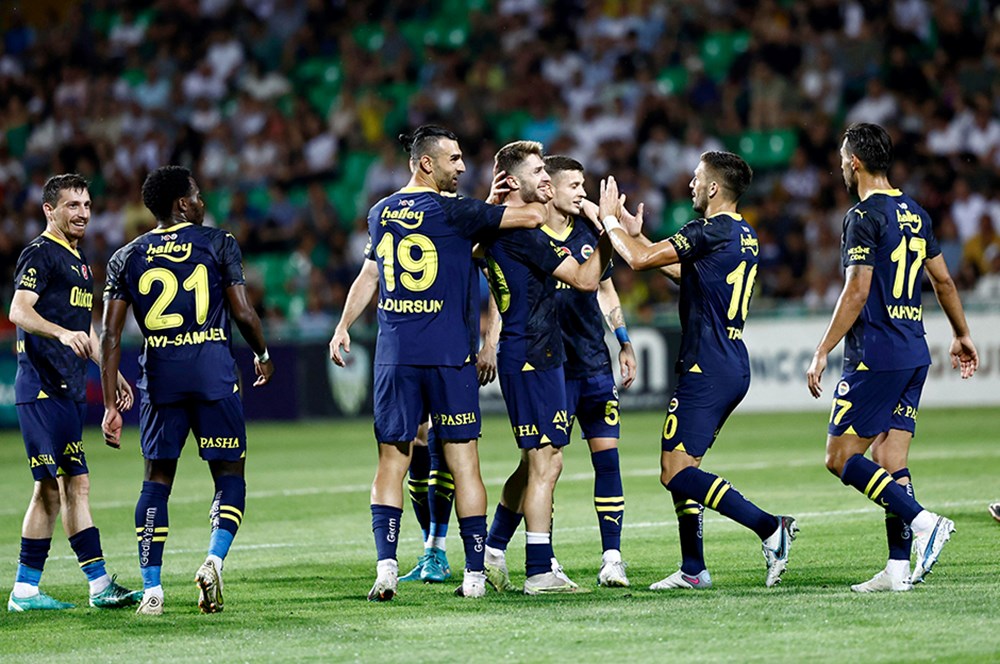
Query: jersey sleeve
[[861, 231], [114, 283], [933, 248], [690, 241], [472, 219], [33, 268], [230, 260]]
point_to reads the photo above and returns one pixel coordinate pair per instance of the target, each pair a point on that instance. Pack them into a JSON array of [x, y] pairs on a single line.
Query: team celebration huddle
[[546, 251]]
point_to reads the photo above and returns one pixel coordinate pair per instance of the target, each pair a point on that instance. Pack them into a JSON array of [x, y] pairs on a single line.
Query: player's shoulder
[[40, 246]]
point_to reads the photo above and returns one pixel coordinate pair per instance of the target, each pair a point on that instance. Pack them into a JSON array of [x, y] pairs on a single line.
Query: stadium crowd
[[287, 110]]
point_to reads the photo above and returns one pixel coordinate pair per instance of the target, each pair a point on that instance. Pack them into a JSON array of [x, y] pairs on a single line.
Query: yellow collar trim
[[62, 243], [887, 192], [735, 215], [172, 228], [417, 190], [556, 235]]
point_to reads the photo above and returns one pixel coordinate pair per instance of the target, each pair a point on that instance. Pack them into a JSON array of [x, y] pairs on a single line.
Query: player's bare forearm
[[849, 305], [641, 256], [24, 315], [947, 295], [531, 215], [111, 351], [246, 318], [610, 304], [360, 294], [672, 272]]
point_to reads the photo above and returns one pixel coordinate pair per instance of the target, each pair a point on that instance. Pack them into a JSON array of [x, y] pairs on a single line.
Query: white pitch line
[[710, 518]]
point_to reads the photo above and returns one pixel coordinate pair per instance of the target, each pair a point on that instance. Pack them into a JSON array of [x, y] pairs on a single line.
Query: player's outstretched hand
[[815, 374], [964, 356], [264, 371], [341, 339], [79, 342], [112, 427], [609, 202], [626, 360], [124, 398], [632, 223], [486, 364], [498, 189]]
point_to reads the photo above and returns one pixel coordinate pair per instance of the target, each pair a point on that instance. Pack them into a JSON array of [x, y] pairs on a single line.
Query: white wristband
[[611, 223], [264, 357]]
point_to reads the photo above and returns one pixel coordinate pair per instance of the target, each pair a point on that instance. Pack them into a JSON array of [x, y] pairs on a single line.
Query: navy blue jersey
[[580, 316], [175, 279], [428, 313], [892, 234], [62, 279], [719, 258], [520, 264]]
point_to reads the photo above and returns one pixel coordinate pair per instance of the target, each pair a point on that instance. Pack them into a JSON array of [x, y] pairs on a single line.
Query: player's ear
[[426, 164], [512, 182]]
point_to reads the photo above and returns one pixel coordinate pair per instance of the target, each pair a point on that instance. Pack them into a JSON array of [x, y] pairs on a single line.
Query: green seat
[[354, 168], [259, 198], [509, 126], [719, 49], [318, 71], [344, 198], [369, 36], [672, 80], [218, 201], [322, 97], [675, 215], [767, 149]]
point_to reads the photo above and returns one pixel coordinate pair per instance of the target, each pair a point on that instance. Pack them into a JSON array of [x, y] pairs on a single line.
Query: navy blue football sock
[[876, 483], [440, 490], [151, 527], [538, 554], [86, 544], [473, 531], [716, 493], [505, 523], [227, 513], [420, 471], [385, 525], [690, 516], [898, 533], [609, 500], [31, 562]]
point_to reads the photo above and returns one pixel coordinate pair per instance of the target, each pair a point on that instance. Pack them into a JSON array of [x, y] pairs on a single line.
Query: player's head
[[721, 174], [525, 168], [567, 183], [435, 156], [66, 204], [171, 193], [866, 147]]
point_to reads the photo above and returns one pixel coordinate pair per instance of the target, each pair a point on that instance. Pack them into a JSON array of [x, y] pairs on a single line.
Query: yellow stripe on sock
[[874, 480], [92, 560], [230, 508], [609, 499], [725, 487], [443, 483], [688, 510], [227, 516], [880, 488], [610, 508], [715, 485], [161, 529]]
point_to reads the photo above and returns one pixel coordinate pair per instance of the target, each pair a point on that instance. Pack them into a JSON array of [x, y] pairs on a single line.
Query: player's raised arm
[[637, 254], [963, 352], [24, 316], [852, 300], [358, 297]]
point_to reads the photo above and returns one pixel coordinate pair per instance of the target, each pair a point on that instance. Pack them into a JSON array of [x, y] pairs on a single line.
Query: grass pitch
[[298, 573]]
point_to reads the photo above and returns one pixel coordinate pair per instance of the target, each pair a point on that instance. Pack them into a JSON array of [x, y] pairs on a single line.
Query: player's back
[[580, 317], [422, 242], [520, 265], [891, 233], [719, 258], [176, 278], [61, 278]]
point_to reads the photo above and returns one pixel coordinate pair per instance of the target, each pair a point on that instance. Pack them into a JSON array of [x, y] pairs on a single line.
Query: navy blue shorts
[[867, 403], [52, 429], [698, 408], [536, 405], [593, 401], [219, 428], [406, 395]]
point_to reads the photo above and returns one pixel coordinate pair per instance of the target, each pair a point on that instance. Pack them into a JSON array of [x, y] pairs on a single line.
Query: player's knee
[[835, 461], [666, 474], [47, 496]]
